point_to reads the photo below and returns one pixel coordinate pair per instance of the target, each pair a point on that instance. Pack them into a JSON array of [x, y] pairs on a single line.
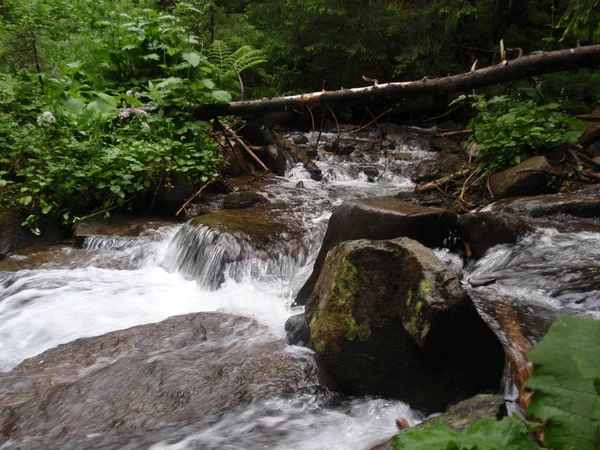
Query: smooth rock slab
[[185, 370], [550, 205], [389, 318], [382, 218]]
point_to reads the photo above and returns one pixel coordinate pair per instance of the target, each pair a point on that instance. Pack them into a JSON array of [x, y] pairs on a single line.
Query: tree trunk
[[390, 93]]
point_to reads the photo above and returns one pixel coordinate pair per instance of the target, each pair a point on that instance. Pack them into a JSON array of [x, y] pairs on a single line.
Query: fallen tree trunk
[[570, 59]]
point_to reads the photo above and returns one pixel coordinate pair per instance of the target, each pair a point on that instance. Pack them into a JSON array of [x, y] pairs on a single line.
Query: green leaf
[[487, 434], [193, 58], [26, 200], [152, 56], [221, 96], [565, 380], [577, 123]]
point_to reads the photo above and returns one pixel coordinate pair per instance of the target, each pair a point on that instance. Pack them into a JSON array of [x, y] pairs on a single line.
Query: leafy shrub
[[509, 130]]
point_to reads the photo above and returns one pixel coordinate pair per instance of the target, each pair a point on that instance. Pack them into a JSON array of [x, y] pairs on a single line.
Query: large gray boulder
[[389, 318], [382, 218], [144, 381], [534, 176]]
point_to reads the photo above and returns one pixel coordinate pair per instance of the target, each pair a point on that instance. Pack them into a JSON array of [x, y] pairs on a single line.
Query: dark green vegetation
[[95, 96], [566, 382]]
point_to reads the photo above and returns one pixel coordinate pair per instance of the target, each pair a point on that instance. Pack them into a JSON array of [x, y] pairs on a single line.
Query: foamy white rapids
[[61, 294]]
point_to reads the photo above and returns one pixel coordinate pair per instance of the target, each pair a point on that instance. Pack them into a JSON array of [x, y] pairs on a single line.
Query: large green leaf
[[193, 58], [487, 434], [565, 379]]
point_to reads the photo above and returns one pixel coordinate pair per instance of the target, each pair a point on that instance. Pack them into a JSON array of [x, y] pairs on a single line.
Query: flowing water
[[57, 294]]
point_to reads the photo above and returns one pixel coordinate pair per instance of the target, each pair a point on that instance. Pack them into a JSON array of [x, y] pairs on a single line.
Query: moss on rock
[[335, 320]]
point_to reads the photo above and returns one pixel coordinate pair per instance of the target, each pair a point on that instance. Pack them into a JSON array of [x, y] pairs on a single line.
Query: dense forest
[[95, 96]]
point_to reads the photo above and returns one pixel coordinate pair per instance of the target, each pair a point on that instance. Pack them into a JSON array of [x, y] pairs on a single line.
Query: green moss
[[409, 297], [416, 325], [425, 288], [335, 321]]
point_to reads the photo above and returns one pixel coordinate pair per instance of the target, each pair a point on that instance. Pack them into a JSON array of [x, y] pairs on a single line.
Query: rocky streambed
[[153, 334]]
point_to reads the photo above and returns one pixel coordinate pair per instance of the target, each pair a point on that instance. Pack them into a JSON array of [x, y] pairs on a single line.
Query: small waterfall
[[209, 257]]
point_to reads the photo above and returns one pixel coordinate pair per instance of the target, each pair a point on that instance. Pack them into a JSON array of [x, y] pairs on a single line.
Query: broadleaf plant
[[487, 434], [566, 381]]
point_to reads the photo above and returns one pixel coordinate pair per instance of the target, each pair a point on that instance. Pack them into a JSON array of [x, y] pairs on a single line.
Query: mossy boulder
[[485, 230], [534, 176], [389, 318], [382, 218]]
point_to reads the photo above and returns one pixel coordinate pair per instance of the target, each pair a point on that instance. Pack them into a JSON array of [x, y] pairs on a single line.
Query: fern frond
[[218, 53], [246, 57]]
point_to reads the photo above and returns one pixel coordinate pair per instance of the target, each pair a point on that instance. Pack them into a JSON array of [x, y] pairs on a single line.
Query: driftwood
[[189, 200], [232, 135], [570, 59], [443, 181]]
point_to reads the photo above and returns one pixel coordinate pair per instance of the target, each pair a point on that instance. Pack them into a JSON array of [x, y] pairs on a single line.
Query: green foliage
[[487, 434], [581, 19], [112, 123], [566, 381], [509, 130]]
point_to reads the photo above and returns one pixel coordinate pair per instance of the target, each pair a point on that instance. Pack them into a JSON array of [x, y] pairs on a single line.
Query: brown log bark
[[389, 93]]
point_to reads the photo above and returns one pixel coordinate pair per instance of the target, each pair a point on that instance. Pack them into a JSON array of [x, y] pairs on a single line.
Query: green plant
[[566, 381], [508, 130]]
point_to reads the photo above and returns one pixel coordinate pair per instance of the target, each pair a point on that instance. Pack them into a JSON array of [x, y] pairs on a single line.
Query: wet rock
[[487, 229], [118, 225], [184, 370], [244, 199], [172, 193], [534, 176], [389, 318], [551, 205], [207, 245], [426, 170], [297, 331], [299, 139], [15, 237], [196, 209], [276, 160], [463, 414], [382, 218], [441, 166]]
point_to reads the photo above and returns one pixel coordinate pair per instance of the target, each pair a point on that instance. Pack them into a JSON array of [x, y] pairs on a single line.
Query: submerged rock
[[297, 330], [485, 230], [211, 243], [243, 199], [534, 176], [388, 318], [383, 218], [144, 380]]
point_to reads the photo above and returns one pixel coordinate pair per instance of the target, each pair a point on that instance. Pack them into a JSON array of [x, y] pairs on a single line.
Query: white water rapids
[[55, 295], [113, 284]]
